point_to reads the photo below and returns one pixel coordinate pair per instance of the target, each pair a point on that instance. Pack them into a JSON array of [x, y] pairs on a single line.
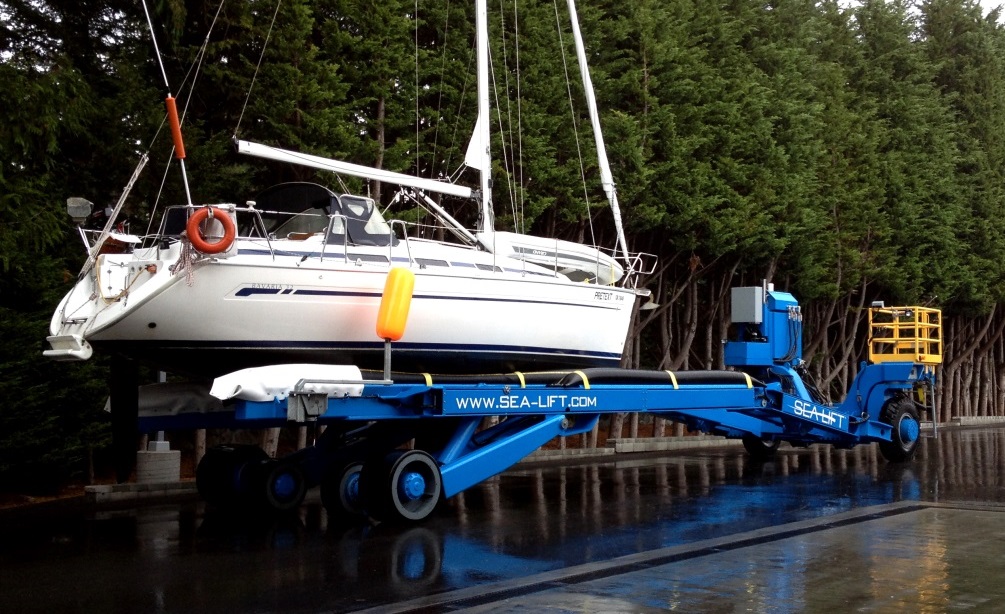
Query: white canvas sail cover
[[477, 156]]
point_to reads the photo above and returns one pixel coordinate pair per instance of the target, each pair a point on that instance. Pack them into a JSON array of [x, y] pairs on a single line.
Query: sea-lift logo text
[[534, 402], [805, 409]]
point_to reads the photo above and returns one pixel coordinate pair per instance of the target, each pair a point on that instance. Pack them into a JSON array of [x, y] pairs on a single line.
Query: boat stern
[[103, 295], [67, 340]]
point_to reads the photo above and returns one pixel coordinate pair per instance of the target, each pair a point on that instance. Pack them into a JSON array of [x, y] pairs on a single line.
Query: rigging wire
[[519, 119], [193, 72], [505, 157], [416, 14], [261, 57], [457, 119], [575, 128], [172, 111], [157, 50], [509, 115], [439, 101]]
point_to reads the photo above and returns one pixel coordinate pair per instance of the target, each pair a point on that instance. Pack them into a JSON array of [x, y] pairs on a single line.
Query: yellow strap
[[428, 378], [673, 379], [750, 383], [523, 382], [586, 380]]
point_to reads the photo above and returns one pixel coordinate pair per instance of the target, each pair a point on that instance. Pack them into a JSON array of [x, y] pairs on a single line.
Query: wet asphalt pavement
[[701, 531]]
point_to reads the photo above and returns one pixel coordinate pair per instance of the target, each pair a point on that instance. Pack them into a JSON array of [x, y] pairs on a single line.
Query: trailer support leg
[[504, 445], [125, 403]]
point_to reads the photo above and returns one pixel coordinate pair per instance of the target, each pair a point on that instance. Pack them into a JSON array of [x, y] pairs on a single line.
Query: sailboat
[[296, 276]]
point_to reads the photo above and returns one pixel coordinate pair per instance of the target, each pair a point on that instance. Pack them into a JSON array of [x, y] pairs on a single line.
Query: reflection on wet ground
[[913, 559], [535, 521]]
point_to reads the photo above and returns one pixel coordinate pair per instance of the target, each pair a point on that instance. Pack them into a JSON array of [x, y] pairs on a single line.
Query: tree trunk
[[617, 425], [200, 445]]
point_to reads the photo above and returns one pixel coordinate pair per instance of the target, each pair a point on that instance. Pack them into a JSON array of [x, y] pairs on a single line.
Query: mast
[[480, 146], [606, 179]]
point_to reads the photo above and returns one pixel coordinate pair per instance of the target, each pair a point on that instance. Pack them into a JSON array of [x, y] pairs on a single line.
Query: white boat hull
[[255, 308]]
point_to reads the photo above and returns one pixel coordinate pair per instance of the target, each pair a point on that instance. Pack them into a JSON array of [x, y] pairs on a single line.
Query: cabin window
[[374, 258], [428, 262]]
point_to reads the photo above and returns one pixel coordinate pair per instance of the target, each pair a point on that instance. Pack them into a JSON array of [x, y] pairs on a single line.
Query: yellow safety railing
[[905, 334]]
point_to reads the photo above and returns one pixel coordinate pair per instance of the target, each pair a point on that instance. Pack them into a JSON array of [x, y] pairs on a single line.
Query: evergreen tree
[[967, 51], [69, 75]]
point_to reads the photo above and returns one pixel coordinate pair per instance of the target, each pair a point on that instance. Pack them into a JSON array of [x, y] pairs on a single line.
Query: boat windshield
[[290, 209], [366, 224], [299, 210]]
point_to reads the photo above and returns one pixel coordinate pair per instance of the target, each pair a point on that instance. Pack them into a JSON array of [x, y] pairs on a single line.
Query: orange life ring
[[195, 233]]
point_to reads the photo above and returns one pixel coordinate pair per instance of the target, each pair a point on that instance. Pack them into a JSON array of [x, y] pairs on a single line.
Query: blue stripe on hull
[[246, 292]]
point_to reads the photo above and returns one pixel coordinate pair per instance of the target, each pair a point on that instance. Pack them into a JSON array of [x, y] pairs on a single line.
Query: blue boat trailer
[[393, 447]]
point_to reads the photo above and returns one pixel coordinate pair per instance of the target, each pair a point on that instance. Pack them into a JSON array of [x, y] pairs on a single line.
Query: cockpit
[[300, 210]]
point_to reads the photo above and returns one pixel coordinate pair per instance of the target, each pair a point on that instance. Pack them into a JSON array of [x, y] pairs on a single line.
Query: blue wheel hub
[[352, 488], [909, 429], [413, 485], [284, 486]]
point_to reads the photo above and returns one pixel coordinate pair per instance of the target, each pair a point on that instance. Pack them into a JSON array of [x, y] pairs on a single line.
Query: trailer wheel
[[901, 414], [224, 474], [340, 492], [282, 484], [405, 485], [760, 448]]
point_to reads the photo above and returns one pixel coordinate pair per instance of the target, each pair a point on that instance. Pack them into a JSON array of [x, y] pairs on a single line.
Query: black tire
[[902, 415], [760, 448], [224, 475], [340, 492], [281, 484], [405, 485]]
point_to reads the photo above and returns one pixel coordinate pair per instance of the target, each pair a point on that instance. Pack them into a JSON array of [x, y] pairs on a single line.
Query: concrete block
[[155, 467]]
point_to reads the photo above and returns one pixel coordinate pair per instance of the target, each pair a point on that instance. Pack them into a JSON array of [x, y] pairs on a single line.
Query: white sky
[[987, 5]]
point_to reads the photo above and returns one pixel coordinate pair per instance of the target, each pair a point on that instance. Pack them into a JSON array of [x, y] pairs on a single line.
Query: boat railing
[[252, 226], [602, 263], [638, 264], [174, 223], [117, 241], [336, 221], [257, 224], [175, 219], [635, 264], [404, 237], [438, 233]]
